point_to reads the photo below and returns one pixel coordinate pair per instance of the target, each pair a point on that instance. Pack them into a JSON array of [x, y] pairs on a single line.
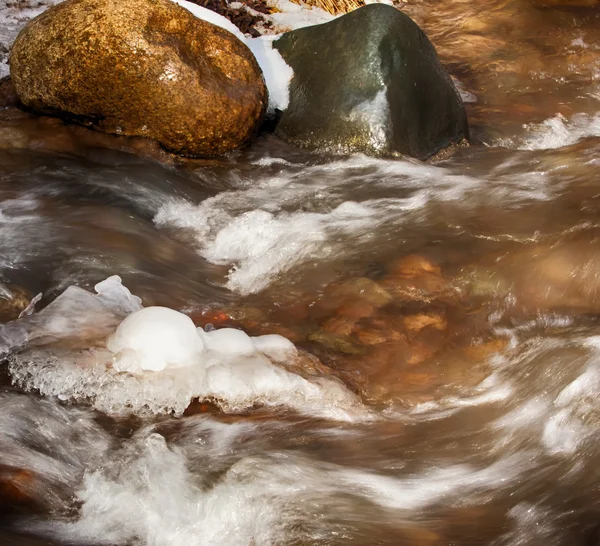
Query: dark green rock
[[369, 81]]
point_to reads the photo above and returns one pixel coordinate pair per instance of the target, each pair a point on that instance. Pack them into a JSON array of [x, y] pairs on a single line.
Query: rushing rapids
[[421, 356]]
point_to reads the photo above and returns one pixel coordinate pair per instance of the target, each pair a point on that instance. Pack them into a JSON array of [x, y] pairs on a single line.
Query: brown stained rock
[[197, 406], [414, 265], [265, 328], [144, 68], [482, 351], [307, 365], [8, 94], [414, 277], [11, 306], [339, 326], [421, 537], [420, 351], [335, 342], [372, 336], [562, 276], [359, 288], [415, 323], [229, 316], [16, 485]]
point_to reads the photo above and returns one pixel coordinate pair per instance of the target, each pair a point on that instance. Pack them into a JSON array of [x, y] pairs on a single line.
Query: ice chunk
[[228, 341], [156, 360], [275, 346], [117, 297], [30, 309], [155, 338]]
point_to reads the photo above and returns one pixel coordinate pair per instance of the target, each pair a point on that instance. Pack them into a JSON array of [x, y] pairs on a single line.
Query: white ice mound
[[118, 357], [153, 339]]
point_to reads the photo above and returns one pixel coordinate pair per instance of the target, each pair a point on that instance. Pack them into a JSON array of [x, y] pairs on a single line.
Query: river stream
[[446, 313]]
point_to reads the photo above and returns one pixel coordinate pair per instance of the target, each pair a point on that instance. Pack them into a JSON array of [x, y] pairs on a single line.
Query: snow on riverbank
[[13, 17]]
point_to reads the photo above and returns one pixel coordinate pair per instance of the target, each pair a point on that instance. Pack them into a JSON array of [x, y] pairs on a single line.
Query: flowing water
[[447, 315]]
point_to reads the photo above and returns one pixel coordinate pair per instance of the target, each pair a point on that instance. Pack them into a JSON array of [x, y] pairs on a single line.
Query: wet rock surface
[[13, 300], [369, 81], [148, 68], [8, 95]]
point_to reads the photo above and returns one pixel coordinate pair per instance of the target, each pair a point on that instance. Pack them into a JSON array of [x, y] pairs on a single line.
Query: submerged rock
[[369, 81], [8, 95], [13, 301], [142, 67]]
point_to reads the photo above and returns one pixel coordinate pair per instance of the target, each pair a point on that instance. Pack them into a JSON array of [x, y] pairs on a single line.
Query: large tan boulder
[[141, 67]]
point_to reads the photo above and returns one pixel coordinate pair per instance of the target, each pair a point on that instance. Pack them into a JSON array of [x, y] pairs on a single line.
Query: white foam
[[150, 496], [257, 500], [249, 228], [555, 132], [261, 244], [52, 442], [435, 485], [559, 423]]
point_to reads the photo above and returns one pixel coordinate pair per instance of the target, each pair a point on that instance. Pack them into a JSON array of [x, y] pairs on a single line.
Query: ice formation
[[153, 339], [117, 355]]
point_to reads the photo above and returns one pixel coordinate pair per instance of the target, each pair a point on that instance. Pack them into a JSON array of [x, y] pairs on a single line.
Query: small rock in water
[[16, 485], [360, 289], [369, 81], [13, 302], [414, 265], [416, 323], [414, 277]]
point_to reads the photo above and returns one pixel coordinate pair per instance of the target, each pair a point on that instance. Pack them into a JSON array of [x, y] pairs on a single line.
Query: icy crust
[[234, 384], [75, 312], [106, 350]]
